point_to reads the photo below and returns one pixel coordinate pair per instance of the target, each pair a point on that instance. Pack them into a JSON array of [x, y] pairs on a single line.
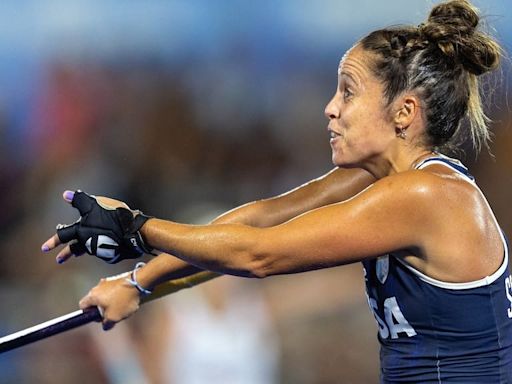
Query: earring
[[401, 133]]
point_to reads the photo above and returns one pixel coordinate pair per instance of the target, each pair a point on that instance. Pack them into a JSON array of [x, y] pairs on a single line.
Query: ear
[[407, 109]]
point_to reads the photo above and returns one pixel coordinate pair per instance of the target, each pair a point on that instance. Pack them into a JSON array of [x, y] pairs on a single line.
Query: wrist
[[144, 229], [134, 280], [147, 275], [143, 233], [136, 237]]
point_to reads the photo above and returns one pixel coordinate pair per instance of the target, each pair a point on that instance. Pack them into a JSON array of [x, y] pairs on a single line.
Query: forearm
[[223, 248], [166, 267]]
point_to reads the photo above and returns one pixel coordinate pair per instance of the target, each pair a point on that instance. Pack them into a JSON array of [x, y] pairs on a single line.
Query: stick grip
[[49, 328], [82, 317], [176, 285]]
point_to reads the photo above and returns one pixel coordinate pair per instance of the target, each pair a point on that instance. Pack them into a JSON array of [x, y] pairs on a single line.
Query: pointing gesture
[[107, 229]]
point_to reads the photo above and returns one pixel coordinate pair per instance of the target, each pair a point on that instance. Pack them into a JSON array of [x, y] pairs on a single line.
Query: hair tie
[[132, 280]]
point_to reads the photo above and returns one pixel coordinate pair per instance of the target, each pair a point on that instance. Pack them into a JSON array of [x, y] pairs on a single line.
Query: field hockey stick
[[81, 317]]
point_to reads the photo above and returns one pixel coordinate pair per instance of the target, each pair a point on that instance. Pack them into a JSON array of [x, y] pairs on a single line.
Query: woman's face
[[360, 123]]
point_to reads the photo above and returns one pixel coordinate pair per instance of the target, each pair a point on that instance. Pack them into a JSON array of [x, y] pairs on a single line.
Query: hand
[[107, 229], [115, 298]]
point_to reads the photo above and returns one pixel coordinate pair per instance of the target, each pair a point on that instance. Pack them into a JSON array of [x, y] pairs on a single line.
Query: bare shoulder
[[457, 237], [436, 185], [429, 202]]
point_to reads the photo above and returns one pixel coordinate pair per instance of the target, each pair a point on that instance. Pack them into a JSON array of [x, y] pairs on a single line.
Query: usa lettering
[[394, 321]]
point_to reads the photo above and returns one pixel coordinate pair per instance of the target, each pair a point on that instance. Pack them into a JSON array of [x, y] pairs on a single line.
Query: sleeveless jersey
[[432, 331]]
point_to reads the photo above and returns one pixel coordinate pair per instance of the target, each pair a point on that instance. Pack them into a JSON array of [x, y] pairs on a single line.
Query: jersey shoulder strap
[[455, 164]]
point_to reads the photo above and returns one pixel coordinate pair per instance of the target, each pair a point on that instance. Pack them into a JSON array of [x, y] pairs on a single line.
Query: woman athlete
[[434, 257]]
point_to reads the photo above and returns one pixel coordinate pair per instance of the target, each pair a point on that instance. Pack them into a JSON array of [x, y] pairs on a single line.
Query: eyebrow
[[348, 75]]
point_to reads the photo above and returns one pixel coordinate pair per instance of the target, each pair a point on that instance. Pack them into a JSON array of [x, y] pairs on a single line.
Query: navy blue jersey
[[438, 332]]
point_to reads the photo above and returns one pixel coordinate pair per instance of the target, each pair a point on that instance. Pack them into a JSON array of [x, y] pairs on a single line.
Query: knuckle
[[111, 317], [134, 308]]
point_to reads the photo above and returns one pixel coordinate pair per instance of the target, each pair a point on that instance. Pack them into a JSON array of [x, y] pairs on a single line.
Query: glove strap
[[131, 222], [132, 280], [138, 221]]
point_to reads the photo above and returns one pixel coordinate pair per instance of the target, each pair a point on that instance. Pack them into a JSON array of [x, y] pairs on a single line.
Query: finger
[[64, 254], [81, 201], [89, 301], [66, 233], [51, 243], [68, 196], [73, 249]]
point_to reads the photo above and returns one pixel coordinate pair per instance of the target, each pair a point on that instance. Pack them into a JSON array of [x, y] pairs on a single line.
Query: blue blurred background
[[185, 109]]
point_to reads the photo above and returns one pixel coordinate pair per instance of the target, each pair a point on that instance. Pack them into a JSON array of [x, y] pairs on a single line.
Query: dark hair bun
[[453, 27]]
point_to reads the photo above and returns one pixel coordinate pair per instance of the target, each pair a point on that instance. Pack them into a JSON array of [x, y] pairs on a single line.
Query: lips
[[333, 135]]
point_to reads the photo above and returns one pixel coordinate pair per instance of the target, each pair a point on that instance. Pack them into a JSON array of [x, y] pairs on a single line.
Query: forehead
[[355, 63]]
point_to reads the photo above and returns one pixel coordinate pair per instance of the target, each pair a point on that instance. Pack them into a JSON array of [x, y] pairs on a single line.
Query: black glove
[[111, 234]]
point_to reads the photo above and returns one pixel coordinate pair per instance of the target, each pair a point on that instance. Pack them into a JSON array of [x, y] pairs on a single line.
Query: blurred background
[[185, 109]]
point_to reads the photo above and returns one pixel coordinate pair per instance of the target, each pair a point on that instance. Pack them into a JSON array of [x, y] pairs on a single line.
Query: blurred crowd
[[186, 142], [139, 133]]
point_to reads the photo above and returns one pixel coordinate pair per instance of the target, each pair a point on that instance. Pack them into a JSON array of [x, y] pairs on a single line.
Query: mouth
[[333, 135]]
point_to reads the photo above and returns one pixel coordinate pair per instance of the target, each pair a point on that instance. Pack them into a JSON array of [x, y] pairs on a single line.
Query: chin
[[337, 161], [340, 161]]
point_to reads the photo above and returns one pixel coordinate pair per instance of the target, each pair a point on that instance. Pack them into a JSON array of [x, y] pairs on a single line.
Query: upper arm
[[387, 216], [335, 186]]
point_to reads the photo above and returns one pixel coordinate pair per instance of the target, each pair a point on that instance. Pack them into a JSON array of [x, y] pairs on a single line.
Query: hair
[[441, 61]]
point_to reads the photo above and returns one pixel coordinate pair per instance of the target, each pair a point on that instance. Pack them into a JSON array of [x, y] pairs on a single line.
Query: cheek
[[366, 136], [359, 128], [364, 121]]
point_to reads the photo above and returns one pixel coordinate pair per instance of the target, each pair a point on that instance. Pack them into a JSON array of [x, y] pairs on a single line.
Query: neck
[[398, 161]]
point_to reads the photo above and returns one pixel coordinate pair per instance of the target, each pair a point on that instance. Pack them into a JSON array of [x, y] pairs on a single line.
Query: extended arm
[[335, 186], [370, 224], [119, 300]]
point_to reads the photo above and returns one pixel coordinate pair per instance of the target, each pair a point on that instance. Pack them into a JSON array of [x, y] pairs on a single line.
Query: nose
[[332, 109]]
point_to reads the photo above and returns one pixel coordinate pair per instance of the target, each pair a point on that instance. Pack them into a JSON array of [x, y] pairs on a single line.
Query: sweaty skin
[[400, 212]]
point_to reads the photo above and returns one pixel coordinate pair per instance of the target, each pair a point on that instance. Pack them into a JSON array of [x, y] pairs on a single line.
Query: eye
[[347, 94]]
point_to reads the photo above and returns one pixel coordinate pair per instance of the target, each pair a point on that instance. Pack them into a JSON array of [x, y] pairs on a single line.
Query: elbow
[[252, 269], [260, 266], [258, 272], [247, 263], [265, 257], [251, 259]]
